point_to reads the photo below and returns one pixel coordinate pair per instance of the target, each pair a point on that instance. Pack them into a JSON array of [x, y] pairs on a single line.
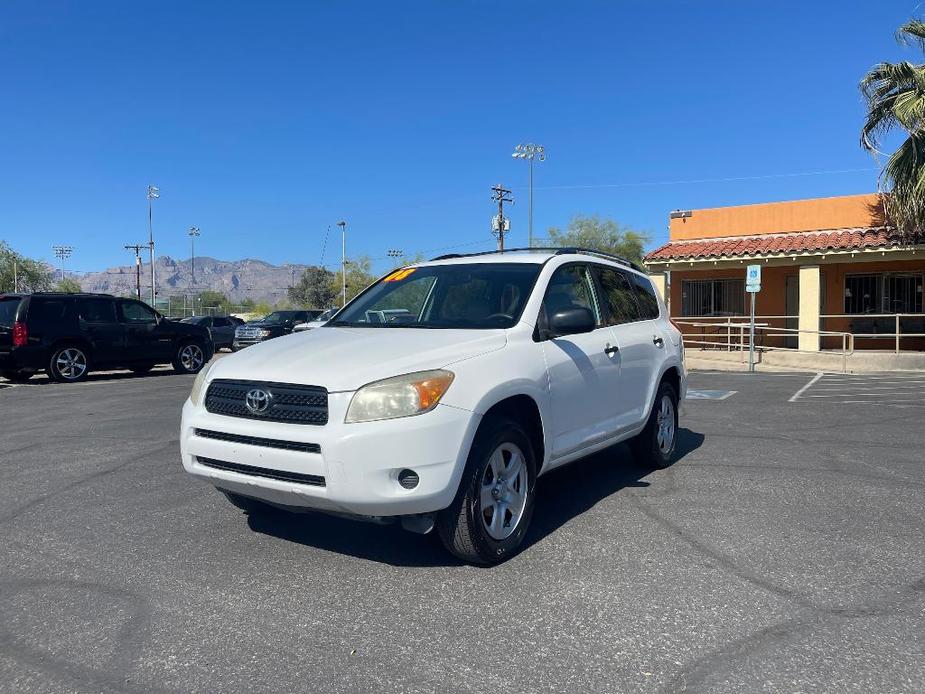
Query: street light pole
[[343, 245], [530, 152], [153, 194], [193, 233]]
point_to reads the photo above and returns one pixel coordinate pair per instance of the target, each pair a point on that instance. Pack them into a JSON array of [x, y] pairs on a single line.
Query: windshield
[[8, 311], [196, 320], [327, 314], [470, 296], [279, 317]]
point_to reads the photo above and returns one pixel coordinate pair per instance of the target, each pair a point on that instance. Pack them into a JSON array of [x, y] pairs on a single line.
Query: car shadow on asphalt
[[562, 495]]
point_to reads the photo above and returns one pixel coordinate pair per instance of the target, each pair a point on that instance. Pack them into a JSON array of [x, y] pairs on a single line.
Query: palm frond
[[912, 31], [905, 175]]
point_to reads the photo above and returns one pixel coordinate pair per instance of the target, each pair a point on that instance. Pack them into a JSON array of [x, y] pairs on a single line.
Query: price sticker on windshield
[[399, 275]]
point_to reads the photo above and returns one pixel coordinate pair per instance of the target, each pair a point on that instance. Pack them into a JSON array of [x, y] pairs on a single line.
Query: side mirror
[[570, 321]]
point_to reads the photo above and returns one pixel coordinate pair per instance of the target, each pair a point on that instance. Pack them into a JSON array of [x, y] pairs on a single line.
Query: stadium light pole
[[153, 194], [343, 262], [193, 233], [530, 152], [62, 253]]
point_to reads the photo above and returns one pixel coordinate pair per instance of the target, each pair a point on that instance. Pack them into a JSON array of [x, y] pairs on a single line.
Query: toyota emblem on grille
[[257, 400]]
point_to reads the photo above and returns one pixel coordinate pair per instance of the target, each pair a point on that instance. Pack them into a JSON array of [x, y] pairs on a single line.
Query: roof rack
[[555, 250]]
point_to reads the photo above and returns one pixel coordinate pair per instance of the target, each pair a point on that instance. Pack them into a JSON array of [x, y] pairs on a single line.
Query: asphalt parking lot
[[783, 552]]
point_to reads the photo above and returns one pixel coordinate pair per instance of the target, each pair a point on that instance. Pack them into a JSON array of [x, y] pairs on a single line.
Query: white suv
[[491, 369]]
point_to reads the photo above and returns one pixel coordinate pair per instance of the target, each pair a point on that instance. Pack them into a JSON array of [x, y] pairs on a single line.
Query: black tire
[[142, 369], [69, 363], [17, 376], [655, 445], [464, 526], [190, 357], [246, 504]]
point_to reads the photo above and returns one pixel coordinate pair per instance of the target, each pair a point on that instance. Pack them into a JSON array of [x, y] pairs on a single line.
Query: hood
[[342, 359]]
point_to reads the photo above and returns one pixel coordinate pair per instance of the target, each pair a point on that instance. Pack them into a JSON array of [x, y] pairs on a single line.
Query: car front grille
[[258, 441], [292, 404], [247, 333], [282, 475]]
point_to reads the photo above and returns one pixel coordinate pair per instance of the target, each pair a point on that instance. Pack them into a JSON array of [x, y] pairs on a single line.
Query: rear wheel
[[655, 445], [488, 519], [189, 358], [17, 376], [68, 364]]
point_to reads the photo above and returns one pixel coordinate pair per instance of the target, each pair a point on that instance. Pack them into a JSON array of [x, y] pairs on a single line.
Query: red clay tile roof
[[770, 244]]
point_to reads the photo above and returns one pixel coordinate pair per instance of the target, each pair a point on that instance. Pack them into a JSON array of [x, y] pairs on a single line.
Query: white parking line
[[861, 389], [796, 396]]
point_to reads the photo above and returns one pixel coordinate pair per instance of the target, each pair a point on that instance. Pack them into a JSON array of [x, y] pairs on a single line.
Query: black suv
[[67, 335], [270, 326]]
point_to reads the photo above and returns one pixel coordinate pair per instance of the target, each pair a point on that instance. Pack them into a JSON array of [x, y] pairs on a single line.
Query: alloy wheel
[[665, 425], [71, 363], [504, 488], [191, 357]]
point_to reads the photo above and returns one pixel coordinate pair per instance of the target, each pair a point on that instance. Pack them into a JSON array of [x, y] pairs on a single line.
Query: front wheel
[[488, 519], [655, 445], [189, 358], [68, 364]]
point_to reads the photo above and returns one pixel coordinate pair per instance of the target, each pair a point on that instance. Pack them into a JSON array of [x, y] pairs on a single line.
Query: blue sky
[[263, 123]]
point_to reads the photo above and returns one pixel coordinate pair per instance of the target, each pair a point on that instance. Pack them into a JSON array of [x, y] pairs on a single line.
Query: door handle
[[610, 350], [657, 341]]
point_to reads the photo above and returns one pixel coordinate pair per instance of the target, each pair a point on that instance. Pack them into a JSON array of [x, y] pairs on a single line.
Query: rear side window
[[8, 309], [645, 295], [96, 310], [47, 311], [619, 296]]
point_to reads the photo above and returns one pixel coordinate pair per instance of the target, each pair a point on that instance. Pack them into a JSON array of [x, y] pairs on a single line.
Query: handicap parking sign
[[753, 278]]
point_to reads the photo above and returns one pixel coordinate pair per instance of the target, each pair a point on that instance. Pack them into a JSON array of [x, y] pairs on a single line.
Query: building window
[[883, 293], [724, 297]]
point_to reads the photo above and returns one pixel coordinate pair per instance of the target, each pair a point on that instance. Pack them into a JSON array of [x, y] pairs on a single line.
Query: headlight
[[264, 333], [401, 396], [196, 393]]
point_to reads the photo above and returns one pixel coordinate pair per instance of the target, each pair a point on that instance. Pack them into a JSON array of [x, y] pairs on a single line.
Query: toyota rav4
[[439, 394]]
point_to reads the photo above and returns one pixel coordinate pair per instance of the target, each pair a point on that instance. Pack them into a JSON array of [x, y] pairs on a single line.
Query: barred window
[[725, 297], [883, 293]]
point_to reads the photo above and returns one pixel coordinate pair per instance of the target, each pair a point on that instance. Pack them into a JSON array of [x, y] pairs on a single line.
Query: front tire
[[68, 364], [189, 358], [489, 517], [655, 445]]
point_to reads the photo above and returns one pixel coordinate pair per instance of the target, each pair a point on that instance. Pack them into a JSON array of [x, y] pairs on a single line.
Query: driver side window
[[137, 312], [571, 286]]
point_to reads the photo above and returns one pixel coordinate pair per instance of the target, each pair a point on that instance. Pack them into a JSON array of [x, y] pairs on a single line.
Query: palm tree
[[895, 94]]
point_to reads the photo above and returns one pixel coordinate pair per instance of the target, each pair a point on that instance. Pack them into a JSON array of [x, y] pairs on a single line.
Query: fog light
[[408, 479]]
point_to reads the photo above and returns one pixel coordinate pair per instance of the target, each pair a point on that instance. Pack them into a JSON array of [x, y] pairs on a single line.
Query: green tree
[[359, 277], [315, 289], [68, 286], [895, 95], [601, 235], [31, 275]]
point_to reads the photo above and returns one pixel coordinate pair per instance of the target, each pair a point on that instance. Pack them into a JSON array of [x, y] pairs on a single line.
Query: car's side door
[[97, 320], [222, 331], [144, 340], [633, 339], [584, 375]]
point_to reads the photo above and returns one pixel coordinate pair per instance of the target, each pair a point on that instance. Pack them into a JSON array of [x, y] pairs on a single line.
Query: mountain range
[[236, 279]]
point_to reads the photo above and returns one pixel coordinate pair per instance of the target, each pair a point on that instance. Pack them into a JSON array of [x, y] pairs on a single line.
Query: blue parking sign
[[753, 278]]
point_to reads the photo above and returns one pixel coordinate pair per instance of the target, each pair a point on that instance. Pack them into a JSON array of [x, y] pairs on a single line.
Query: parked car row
[[275, 324], [69, 335], [221, 328]]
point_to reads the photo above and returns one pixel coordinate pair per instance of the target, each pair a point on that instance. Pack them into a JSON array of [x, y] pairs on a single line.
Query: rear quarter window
[[8, 308], [48, 311], [645, 297]]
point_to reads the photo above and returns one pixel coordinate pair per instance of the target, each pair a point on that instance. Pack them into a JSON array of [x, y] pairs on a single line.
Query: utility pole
[[500, 225], [153, 194], [62, 253], [343, 244], [15, 275], [137, 248], [193, 233]]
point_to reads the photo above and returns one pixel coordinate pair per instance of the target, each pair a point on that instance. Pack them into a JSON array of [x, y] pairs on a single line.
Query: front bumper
[[358, 462]]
